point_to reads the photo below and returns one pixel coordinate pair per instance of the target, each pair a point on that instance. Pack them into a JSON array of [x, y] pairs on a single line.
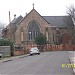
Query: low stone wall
[[19, 52], [5, 51]]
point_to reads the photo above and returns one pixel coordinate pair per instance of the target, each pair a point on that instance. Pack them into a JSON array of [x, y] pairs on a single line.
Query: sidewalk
[[73, 62], [72, 59], [2, 60]]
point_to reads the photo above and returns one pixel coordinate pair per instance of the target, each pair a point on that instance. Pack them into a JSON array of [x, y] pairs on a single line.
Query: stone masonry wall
[[5, 51], [33, 15]]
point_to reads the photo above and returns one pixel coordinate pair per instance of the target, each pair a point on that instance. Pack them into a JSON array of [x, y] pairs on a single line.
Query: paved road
[[47, 63]]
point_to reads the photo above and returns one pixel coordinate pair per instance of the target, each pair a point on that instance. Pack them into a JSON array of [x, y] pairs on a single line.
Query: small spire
[[33, 5]]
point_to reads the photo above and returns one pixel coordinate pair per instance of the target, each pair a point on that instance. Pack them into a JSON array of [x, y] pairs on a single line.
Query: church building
[[23, 30]]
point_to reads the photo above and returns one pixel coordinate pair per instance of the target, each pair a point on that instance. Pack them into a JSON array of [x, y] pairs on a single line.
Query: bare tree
[[71, 13], [71, 21]]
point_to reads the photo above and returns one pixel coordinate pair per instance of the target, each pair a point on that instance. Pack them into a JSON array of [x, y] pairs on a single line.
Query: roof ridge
[[54, 16]]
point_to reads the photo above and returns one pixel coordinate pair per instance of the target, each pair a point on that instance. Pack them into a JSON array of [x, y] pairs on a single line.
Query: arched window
[[33, 30], [21, 35]]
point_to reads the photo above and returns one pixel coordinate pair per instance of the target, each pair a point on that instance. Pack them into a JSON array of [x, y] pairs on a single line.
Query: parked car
[[34, 50]]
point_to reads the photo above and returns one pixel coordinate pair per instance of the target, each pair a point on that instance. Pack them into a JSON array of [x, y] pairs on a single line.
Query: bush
[[41, 39]]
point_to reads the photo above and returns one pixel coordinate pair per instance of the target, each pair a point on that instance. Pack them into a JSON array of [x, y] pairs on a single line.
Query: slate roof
[[59, 21], [17, 20]]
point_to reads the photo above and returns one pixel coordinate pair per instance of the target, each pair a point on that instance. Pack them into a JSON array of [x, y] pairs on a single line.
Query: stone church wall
[[33, 15]]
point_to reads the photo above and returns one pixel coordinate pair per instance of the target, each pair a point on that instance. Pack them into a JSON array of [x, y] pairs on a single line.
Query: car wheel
[[30, 54], [38, 53]]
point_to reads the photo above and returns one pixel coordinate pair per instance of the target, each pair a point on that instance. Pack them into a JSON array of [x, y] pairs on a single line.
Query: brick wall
[[49, 47], [19, 52], [46, 48]]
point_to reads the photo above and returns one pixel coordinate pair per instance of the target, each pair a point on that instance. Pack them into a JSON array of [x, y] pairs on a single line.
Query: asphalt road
[[47, 63]]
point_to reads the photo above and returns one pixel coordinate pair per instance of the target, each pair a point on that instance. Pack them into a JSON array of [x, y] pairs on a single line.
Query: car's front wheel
[[38, 53], [31, 54]]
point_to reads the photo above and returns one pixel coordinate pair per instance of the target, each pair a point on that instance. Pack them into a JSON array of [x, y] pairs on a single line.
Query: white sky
[[43, 7]]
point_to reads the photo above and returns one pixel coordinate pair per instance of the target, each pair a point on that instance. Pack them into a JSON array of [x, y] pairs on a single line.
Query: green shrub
[[41, 39]]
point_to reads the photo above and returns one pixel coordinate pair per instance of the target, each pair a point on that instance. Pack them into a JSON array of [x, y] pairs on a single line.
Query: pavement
[[72, 59], [2, 60]]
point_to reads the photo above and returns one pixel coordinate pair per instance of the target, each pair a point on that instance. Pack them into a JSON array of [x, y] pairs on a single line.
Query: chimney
[[14, 16], [9, 17]]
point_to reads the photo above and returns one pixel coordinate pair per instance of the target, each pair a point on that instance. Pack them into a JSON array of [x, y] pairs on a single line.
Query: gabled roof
[[29, 13], [17, 20], [59, 21]]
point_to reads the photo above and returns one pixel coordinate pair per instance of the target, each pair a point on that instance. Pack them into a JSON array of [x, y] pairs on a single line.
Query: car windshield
[[35, 48]]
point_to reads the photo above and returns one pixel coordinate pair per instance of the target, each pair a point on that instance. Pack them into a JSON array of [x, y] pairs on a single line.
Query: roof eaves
[[29, 13]]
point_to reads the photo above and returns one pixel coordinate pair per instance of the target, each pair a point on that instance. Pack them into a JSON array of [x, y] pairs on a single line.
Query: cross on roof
[[33, 5]]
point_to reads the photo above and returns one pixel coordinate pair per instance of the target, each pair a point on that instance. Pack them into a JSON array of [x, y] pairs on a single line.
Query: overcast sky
[[44, 8]]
